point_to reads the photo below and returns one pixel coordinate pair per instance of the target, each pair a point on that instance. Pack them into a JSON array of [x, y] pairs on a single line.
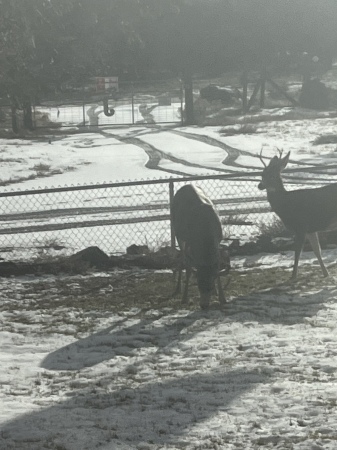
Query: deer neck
[[276, 191]]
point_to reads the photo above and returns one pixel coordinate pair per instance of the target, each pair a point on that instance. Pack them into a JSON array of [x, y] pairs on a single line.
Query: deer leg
[[187, 279], [178, 285], [181, 261], [314, 242], [221, 295], [299, 241]]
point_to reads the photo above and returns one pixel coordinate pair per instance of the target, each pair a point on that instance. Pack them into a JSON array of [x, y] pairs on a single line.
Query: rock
[[211, 93], [93, 256], [137, 250], [314, 95], [8, 268]]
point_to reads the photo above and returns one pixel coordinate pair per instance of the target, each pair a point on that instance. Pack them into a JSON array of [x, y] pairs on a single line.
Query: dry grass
[[146, 290], [80, 301], [273, 229]]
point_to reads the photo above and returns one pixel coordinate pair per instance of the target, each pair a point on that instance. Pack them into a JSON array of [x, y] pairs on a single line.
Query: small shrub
[[273, 229], [233, 221], [46, 250], [41, 168], [326, 139]]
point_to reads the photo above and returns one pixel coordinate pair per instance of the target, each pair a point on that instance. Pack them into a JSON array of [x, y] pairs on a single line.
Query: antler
[[265, 165], [280, 152]]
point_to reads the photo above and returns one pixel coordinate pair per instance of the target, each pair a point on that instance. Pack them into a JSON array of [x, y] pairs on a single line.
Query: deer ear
[[284, 161], [274, 161]]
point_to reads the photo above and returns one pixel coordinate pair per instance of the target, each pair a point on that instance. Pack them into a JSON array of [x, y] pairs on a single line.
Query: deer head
[[271, 174]]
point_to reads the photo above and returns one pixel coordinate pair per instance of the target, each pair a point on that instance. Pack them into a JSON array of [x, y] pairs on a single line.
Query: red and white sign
[[106, 84]]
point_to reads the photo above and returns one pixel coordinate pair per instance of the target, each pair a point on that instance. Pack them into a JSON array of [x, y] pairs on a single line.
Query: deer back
[[306, 210], [197, 224]]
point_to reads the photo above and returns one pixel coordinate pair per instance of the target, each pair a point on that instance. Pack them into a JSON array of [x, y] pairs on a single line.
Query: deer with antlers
[[305, 212]]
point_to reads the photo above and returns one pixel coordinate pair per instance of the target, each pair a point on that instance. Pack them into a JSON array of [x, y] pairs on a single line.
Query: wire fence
[[117, 215], [134, 103]]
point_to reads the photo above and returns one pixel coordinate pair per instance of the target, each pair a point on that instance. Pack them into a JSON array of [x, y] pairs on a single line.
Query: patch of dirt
[[122, 290]]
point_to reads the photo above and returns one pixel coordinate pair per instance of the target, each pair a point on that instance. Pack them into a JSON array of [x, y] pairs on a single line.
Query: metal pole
[[133, 105], [244, 91], [83, 109], [173, 236], [182, 102]]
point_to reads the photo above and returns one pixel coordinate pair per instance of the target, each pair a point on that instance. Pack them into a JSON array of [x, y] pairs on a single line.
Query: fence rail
[[115, 215]]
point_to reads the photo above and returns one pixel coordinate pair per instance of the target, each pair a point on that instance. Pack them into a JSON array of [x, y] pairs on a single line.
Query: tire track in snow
[[155, 156], [232, 152]]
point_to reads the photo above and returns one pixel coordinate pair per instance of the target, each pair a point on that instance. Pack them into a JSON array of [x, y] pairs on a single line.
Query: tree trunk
[[263, 87], [189, 108], [28, 115], [15, 126]]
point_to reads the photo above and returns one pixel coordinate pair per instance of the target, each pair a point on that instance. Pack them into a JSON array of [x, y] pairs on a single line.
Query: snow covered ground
[[113, 154], [259, 374]]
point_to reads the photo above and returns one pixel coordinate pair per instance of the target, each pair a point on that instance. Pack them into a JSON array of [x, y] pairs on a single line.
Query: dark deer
[[198, 231], [304, 211]]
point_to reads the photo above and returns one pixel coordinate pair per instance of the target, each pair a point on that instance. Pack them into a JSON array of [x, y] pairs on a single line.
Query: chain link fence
[[115, 216]]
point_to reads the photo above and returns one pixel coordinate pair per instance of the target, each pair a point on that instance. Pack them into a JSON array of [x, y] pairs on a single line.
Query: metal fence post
[[133, 104], [83, 108], [173, 236], [182, 103]]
